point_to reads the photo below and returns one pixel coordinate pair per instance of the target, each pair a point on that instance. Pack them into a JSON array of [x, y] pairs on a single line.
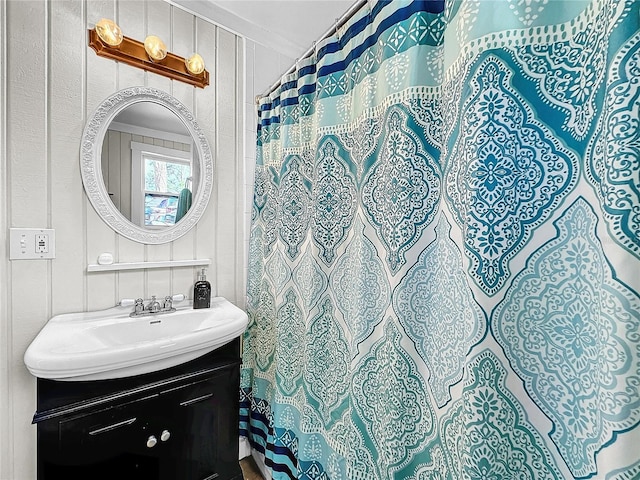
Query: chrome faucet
[[153, 307]]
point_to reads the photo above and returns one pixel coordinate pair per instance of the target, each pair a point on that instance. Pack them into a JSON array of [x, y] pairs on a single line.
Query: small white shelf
[[93, 267]]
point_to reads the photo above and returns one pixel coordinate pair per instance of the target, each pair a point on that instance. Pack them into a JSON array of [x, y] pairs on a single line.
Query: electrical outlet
[[32, 243], [42, 243]]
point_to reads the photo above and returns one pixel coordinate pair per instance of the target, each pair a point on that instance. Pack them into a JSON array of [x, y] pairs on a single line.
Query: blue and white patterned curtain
[[444, 268]]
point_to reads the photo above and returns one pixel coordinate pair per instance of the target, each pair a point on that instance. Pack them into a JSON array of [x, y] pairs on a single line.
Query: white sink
[[110, 344]]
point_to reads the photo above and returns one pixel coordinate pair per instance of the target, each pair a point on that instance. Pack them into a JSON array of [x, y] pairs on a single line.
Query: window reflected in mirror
[[148, 165], [165, 179]]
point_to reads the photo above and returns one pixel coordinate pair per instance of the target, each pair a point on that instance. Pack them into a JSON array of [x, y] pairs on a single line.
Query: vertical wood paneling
[[100, 81], [125, 174], [66, 122], [250, 122], [130, 283], [112, 180], [29, 284], [182, 43], [130, 18], [6, 428], [226, 241], [205, 109], [238, 267], [104, 166], [45, 104], [131, 21], [101, 73], [27, 108], [159, 23]]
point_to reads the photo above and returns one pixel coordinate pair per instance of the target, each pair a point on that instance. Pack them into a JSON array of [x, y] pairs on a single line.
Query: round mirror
[[146, 165]]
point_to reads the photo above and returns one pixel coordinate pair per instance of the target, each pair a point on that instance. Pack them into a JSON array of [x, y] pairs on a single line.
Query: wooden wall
[[50, 83]]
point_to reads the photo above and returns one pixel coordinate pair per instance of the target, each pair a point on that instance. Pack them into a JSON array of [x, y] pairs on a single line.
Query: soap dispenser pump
[[202, 292]]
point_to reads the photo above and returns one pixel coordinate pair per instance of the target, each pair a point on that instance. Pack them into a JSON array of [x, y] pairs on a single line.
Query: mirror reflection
[[149, 165]]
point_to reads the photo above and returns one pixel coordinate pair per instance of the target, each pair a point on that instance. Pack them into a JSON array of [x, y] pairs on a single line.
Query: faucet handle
[[168, 303], [139, 306]]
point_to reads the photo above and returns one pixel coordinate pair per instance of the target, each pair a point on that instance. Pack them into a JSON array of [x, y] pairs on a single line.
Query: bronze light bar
[[132, 52]]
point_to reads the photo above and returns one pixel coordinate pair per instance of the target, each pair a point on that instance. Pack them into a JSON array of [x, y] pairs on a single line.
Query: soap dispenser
[[202, 292]]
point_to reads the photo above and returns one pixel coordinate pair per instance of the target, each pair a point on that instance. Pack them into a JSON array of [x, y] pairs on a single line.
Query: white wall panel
[[28, 201], [66, 119], [100, 80], [43, 113], [205, 240], [130, 19], [241, 233], [6, 444], [226, 241], [183, 28]]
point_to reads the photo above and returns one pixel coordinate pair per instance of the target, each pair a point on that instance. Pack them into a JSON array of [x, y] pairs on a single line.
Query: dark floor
[[250, 470]]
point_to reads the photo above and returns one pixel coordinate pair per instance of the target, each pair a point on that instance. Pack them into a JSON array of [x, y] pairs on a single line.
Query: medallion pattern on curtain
[[444, 268]]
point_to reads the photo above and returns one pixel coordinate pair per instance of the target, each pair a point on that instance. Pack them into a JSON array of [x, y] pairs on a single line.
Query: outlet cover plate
[[23, 244]]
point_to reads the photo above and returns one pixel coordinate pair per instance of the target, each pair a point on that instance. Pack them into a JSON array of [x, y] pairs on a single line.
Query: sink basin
[[110, 344]]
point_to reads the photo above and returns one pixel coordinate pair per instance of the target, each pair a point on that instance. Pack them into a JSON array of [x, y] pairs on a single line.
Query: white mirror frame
[[91, 171]]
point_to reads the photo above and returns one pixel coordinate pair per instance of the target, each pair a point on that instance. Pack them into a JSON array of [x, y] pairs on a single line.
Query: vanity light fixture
[[155, 48], [195, 64], [109, 32], [152, 55]]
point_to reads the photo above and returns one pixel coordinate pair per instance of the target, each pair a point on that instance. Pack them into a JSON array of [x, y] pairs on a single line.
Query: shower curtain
[[444, 267]]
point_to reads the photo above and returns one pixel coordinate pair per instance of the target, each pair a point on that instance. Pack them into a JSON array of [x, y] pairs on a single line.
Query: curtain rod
[[339, 23]]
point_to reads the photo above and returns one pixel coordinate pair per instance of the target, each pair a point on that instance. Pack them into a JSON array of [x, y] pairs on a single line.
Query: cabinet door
[[186, 431], [110, 443], [202, 420]]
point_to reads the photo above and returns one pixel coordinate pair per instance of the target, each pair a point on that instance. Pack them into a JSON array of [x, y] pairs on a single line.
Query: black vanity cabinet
[[180, 423]]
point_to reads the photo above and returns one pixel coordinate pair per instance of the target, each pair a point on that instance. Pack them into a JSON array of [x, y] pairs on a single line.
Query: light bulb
[[109, 32], [155, 48], [195, 64]]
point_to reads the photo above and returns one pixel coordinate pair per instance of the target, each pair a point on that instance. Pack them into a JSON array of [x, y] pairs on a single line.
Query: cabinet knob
[[165, 435], [151, 441]]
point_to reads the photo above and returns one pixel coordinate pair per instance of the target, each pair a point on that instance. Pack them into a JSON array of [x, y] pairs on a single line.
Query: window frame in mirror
[[138, 190], [91, 171]]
